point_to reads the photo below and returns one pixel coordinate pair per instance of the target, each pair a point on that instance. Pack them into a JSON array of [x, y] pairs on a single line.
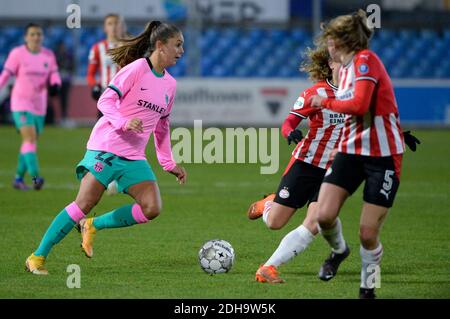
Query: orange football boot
[[256, 209], [268, 274]]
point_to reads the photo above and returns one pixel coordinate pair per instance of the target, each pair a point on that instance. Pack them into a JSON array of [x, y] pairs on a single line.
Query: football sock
[[28, 150], [21, 166], [124, 216], [59, 228], [267, 207], [290, 246], [370, 266], [334, 237]]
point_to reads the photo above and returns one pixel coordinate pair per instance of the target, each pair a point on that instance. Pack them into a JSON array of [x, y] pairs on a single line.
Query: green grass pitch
[[159, 260]]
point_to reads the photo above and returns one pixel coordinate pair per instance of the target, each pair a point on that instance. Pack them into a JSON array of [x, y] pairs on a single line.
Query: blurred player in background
[[301, 180], [100, 61], [66, 63], [137, 102], [371, 146], [36, 73]]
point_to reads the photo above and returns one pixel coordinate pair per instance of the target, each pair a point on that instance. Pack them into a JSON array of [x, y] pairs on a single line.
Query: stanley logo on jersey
[[151, 106]]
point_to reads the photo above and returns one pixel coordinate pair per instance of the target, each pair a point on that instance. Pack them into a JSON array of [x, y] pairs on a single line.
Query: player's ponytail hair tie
[[139, 46], [360, 19], [153, 25]]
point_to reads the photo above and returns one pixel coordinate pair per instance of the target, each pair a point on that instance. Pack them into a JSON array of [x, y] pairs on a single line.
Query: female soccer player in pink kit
[[137, 102], [35, 69]]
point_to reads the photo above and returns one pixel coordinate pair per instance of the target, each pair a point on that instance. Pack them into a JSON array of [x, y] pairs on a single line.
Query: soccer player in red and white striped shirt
[[100, 61], [371, 146], [301, 180]]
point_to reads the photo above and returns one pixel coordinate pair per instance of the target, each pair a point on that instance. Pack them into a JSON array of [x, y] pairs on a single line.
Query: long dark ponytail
[[134, 48]]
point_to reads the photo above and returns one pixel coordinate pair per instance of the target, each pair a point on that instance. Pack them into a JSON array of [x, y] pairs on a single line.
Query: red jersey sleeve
[[93, 65], [289, 124], [367, 74], [367, 67], [302, 107]]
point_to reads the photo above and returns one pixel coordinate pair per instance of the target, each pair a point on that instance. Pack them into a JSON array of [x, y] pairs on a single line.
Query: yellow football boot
[[87, 234], [35, 265]]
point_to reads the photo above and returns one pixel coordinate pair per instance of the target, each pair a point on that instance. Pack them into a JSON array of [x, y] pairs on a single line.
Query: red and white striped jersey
[[324, 127], [100, 61], [376, 133]]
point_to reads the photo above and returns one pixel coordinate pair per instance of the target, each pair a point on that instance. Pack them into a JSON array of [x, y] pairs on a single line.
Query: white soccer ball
[[216, 256], [112, 189]]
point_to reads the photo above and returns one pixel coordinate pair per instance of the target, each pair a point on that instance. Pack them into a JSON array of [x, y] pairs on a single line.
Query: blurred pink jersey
[[33, 72], [136, 92]]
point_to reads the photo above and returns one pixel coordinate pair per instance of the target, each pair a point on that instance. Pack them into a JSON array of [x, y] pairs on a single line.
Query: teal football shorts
[[107, 167]]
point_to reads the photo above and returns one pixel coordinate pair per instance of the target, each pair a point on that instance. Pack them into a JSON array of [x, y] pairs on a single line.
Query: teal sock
[[21, 166], [120, 217], [58, 229], [32, 163]]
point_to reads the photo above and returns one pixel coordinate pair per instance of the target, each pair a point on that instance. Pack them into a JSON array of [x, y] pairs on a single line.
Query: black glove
[[53, 90], [96, 92], [295, 136], [411, 140]]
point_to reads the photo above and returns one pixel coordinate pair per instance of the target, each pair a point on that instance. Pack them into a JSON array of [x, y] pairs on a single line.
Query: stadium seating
[[257, 52]]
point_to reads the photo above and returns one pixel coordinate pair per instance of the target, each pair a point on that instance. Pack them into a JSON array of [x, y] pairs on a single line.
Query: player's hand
[[96, 92], [134, 125], [316, 101], [53, 90], [411, 140], [180, 173], [295, 136]]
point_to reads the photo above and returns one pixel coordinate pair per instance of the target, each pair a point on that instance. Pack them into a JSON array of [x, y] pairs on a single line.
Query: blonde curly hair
[[350, 32], [316, 64]]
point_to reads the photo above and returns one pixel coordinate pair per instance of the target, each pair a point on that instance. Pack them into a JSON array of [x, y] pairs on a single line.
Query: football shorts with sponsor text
[[381, 176], [107, 167]]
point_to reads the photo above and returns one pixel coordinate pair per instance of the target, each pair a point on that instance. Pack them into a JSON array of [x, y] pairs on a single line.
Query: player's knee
[[29, 136], [312, 226], [29, 139], [274, 223], [368, 237], [324, 220], [151, 210], [86, 205]]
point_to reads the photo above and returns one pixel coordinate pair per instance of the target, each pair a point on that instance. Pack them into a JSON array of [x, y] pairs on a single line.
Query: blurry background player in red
[[371, 146], [301, 180], [100, 61]]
